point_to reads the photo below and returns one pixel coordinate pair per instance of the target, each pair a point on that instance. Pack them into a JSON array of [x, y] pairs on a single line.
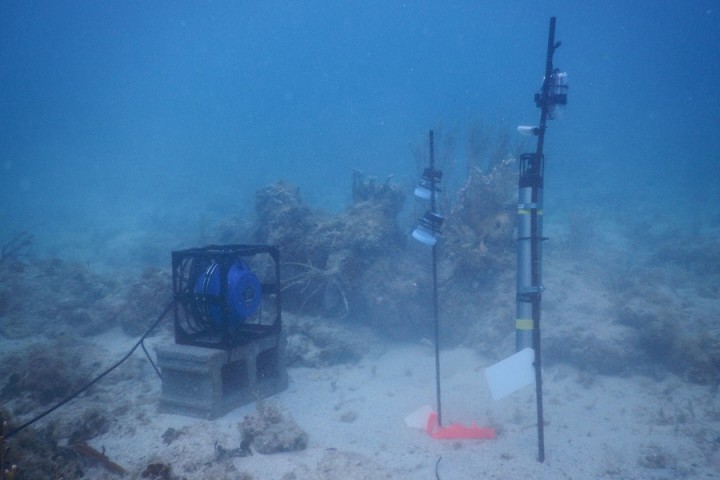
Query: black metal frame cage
[[226, 295]]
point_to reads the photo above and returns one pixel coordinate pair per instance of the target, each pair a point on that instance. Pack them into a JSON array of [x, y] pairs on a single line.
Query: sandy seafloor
[[596, 426], [654, 426]]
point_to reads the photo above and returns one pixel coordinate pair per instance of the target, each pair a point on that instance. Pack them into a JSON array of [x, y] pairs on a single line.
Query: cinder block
[[208, 383]]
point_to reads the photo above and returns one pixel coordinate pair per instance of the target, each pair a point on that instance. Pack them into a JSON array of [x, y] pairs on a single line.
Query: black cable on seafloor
[[99, 377]]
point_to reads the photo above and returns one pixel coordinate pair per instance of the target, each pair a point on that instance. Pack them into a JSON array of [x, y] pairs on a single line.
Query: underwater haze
[[130, 129], [164, 116]]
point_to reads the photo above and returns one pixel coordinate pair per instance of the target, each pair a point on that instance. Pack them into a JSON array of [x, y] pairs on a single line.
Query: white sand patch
[[596, 426]]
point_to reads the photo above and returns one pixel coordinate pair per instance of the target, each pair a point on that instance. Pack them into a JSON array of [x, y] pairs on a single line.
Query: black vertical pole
[[530, 237], [433, 189], [536, 236]]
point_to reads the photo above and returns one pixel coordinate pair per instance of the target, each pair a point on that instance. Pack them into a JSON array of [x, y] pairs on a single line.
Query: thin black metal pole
[[535, 245], [435, 288]]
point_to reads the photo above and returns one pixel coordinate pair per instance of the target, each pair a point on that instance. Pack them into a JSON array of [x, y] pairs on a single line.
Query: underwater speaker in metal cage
[[220, 299], [232, 307]]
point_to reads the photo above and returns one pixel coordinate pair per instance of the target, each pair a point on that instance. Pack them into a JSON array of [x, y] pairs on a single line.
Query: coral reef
[[670, 297], [677, 282], [36, 453], [41, 375], [654, 309], [475, 254], [267, 430], [397, 295], [284, 220], [315, 342], [479, 313], [354, 264], [671, 334], [324, 255], [478, 231], [52, 297], [144, 301]]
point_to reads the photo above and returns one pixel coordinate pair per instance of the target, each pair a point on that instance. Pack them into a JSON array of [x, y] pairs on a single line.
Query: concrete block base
[[208, 383]]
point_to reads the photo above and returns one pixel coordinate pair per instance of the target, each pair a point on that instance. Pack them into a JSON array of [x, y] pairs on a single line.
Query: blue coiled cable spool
[[243, 294]]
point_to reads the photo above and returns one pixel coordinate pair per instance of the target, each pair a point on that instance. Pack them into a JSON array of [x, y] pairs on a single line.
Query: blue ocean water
[[123, 116]]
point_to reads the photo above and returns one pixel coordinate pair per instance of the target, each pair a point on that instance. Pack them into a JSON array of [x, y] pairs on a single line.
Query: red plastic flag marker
[[456, 431]]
